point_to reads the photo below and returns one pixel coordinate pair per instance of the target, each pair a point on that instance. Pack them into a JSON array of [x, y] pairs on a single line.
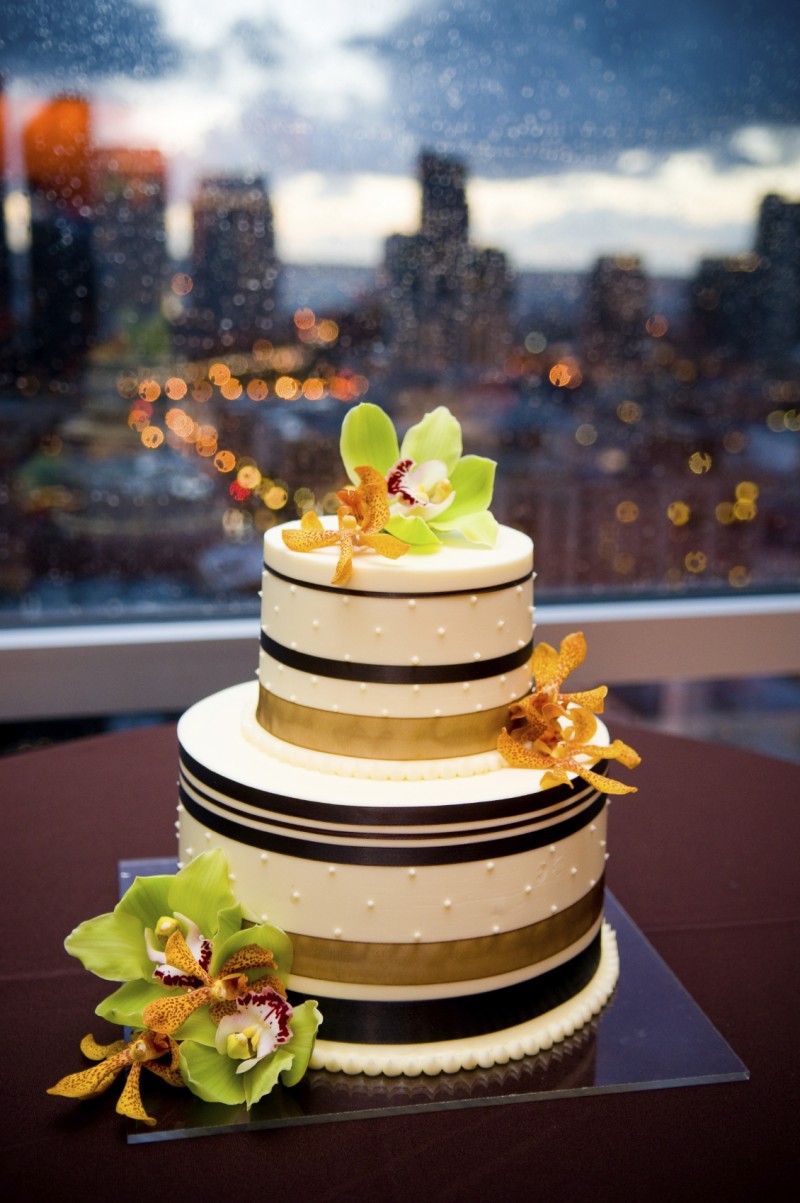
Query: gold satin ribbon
[[367, 964], [377, 738]]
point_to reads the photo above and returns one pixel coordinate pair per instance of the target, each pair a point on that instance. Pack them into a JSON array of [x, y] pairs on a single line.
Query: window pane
[[576, 225]]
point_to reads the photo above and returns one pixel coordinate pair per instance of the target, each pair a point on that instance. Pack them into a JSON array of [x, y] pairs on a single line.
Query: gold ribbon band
[[367, 964], [377, 738]]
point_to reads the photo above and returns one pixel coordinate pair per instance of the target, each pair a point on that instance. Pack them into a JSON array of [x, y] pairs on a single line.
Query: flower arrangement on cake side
[[203, 1012], [412, 496], [552, 731]]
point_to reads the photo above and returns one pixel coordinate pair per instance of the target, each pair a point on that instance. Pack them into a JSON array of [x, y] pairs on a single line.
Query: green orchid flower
[[436, 495], [175, 937], [262, 1039]]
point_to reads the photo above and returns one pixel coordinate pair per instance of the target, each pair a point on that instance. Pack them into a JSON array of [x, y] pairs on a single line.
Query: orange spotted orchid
[[552, 731], [169, 1013], [362, 516], [146, 1050]]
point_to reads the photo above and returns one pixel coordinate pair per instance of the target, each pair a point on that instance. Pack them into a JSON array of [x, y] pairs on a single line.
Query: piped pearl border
[[496, 1048]]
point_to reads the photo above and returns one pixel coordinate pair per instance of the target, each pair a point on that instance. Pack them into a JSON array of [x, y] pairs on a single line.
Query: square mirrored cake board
[[650, 1035]]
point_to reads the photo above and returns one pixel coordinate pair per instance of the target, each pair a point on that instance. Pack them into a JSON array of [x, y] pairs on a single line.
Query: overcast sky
[[588, 126]]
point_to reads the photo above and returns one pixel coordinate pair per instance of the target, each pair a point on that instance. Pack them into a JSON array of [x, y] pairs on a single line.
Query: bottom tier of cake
[[445, 915]]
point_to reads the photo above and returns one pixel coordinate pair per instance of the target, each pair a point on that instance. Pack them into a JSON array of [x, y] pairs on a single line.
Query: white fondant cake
[[445, 910]]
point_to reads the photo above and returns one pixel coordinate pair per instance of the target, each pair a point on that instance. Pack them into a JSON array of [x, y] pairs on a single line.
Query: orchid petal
[[344, 565], [368, 437], [111, 946], [590, 699], [100, 1052], [88, 1083], [475, 528], [267, 937], [166, 1015], [473, 484], [413, 531], [305, 1021], [437, 436], [130, 1103], [210, 1076], [202, 889], [385, 545], [264, 1074], [252, 956], [125, 1005]]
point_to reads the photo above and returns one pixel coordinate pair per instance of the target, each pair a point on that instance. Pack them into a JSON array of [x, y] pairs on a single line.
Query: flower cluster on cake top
[[551, 731], [409, 496], [204, 1013]]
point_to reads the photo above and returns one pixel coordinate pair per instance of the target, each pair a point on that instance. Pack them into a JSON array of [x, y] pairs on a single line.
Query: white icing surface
[[496, 1048], [467, 567], [486, 614]]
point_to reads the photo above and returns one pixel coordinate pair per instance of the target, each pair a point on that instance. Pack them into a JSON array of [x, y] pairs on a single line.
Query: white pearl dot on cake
[[180, 864], [448, 902], [276, 609], [345, 600], [315, 624], [437, 713], [415, 688], [520, 643], [607, 855], [292, 697], [370, 904], [592, 881], [347, 657], [412, 604], [263, 858], [335, 707], [478, 706], [496, 929], [295, 895], [554, 908], [440, 631], [593, 827], [280, 668], [315, 681], [293, 644], [552, 849], [231, 877], [465, 686], [415, 659], [378, 630], [337, 931], [332, 870], [190, 851], [602, 843], [529, 889], [384, 713], [417, 935], [501, 622], [265, 918], [489, 866], [476, 655], [207, 835], [412, 872], [503, 679], [363, 687], [177, 824], [293, 588], [519, 589], [573, 870]]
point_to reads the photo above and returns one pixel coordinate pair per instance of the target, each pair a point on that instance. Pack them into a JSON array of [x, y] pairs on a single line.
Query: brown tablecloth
[[704, 858]]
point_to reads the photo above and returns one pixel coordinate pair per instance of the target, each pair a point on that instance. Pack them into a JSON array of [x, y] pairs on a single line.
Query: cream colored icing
[[496, 1048]]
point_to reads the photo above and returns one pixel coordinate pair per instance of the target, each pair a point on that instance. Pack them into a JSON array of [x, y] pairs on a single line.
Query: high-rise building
[[57, 150], [778, 250], [130, 245], [447, 301], [726, 304], [615, 309], [234, 265]]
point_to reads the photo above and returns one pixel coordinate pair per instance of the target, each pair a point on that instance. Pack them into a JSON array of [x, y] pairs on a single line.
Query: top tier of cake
[[416, 657]]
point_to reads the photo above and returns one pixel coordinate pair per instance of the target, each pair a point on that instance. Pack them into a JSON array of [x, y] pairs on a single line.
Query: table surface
[[704, 859]]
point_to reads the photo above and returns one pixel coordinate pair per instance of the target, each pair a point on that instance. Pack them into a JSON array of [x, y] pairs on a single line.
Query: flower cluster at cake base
[[551, 731], [204, 1013]]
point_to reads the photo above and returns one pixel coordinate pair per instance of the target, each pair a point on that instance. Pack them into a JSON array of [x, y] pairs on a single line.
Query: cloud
[[61, 44]]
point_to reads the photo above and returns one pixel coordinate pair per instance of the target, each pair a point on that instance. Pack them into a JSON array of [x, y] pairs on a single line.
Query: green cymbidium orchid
[[217, 1071], [196, 909], [436, 495]]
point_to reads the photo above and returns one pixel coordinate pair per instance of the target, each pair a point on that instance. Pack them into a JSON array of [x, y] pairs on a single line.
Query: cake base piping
[[496, 1048]]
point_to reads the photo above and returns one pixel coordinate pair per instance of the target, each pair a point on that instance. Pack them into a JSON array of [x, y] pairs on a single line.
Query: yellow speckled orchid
[[552, 731], [362, 515], [146, 1050], [169, 1013]]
